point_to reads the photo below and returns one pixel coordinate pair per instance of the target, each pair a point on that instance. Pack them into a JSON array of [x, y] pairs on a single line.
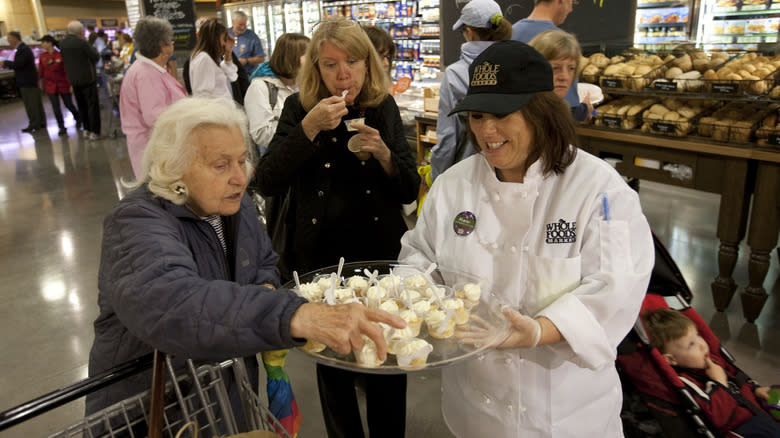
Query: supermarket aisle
[[54, 193]]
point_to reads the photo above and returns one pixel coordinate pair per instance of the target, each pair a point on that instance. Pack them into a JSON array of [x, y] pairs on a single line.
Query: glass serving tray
[[446, 352]]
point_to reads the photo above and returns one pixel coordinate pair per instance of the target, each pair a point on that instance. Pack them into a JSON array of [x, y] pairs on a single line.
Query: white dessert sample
[[432, 291], [413, 321], [412, 352], [409, 296], [393, 335], [457, 306], [417, 282], [367, 356], [440, 324], [421, 307], [313, 346], [358, 284], [375, 295], [311, 291], [389, 306], [390, 282], [343, 294], [470, 292], [324, 283]]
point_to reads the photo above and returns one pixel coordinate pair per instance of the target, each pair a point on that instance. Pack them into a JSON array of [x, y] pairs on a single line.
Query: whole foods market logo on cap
[[485, 75]]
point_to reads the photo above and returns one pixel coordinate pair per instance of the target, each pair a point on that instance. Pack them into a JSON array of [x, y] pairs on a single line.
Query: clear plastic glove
[[524, 332]]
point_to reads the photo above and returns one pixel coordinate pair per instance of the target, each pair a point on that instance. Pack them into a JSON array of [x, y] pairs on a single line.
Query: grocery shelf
[[654, 5]]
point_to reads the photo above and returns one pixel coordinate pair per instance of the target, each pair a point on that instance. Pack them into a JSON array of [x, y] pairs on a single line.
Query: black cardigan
[[341, 206]]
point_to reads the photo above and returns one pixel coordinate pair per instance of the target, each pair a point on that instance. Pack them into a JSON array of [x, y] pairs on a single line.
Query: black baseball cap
[[504, 77]]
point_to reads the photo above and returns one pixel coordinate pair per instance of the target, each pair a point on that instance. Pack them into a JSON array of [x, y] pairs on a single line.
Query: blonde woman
[[344, 205], [562, 51]]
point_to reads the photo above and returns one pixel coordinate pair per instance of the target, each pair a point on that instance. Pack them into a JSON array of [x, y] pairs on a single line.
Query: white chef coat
[[209, 79], [544, 248]]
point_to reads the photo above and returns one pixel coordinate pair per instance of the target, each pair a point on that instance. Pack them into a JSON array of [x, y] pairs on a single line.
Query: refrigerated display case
[[662, 24], [413, 25], [738, 24], [270, 19]]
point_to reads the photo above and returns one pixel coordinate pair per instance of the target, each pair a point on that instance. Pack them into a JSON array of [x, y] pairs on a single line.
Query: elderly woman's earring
[[179, 188]]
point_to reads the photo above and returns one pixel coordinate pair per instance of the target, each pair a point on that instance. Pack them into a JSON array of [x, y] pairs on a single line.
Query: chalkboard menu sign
[[181, 15], [596, 24]]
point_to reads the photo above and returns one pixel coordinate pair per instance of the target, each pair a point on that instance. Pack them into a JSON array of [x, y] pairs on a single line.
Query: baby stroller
[[656, 402]]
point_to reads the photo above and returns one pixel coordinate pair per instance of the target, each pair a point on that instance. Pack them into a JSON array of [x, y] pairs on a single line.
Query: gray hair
[[170, 151], [151, 33], [75, 27], [239, 15]]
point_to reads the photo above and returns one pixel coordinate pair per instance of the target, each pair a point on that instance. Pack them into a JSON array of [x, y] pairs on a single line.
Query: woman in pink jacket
[[147, 88], [51, 71]]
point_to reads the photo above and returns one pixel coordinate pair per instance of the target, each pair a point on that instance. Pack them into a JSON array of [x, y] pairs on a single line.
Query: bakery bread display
[[768, 132], [623, 113], [734, 122], [673, 116]]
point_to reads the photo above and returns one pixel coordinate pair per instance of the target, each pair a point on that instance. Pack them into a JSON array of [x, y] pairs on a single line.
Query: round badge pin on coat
[[464, 223]]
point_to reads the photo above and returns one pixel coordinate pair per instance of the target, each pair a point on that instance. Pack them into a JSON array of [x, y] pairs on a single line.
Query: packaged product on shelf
[[754, 5], [734, 27], [757, 26], [727, 5]]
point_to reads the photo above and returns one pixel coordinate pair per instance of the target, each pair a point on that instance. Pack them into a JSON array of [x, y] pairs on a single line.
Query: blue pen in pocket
[[605, 206]]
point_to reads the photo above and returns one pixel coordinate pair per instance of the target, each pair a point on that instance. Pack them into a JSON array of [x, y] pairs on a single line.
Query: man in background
[[26, 76], [547, 15], [80, 58], [248, 48]]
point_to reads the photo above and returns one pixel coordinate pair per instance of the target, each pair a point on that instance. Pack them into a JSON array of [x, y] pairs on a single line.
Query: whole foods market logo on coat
[[561, 232], [485, 74]]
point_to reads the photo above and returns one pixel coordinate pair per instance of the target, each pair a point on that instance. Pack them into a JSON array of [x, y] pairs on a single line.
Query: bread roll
[[710, 75], [642, 70], [590, 69], [734, 77], [673, 72], [658, 109], [627, 70], [686, 112], [672, 116], [613, 70], [634, 110], [701, 64], [623, 109]]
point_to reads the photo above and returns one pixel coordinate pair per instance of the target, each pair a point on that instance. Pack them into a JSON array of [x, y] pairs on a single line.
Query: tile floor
[[55, 191]]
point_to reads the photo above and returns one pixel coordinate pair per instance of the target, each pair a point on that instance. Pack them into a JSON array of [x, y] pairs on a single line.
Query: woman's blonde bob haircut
[[557, 44], [171, 151], [348, 36]]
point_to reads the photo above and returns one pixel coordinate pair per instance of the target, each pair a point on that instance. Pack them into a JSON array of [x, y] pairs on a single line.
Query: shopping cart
[[197, 395]]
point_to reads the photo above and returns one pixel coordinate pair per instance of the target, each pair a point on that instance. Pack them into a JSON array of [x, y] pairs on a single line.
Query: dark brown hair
[[286, 58], [501, 32], [552, 129], [664, 326], [210, 40], [381, 40]]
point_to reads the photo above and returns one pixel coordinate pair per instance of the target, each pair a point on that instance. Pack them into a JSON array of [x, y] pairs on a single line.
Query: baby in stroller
[[730, 401]]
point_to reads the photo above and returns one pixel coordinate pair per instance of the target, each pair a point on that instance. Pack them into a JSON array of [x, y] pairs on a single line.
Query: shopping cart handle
[[57, 398]]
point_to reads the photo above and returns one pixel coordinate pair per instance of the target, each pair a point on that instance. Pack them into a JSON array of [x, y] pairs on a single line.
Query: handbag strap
[[157, 395]]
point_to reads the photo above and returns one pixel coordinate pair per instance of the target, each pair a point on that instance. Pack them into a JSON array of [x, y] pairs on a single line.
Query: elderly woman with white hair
[[186, 267], [147, 88]]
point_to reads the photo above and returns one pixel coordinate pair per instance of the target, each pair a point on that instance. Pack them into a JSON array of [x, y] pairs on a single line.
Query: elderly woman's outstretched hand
[[326, 115], [339, 327]]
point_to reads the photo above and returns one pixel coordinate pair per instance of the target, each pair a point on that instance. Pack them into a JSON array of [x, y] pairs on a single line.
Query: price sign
[[611, 83], [665, 86], [665, 128], [612, 122], [727, 88]]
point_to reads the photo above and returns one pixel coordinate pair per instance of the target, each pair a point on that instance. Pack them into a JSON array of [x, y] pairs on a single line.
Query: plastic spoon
[[297, 280], [330, 291], [344, 93]]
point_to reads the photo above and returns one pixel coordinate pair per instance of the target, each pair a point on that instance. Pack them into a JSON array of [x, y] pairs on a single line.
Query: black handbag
[[279, 230]]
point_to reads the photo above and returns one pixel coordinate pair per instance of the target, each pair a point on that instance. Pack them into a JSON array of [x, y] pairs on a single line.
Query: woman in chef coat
[[558, 237]]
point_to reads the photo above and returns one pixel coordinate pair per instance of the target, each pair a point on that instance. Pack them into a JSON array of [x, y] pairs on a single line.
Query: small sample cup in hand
[[354, 146]]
